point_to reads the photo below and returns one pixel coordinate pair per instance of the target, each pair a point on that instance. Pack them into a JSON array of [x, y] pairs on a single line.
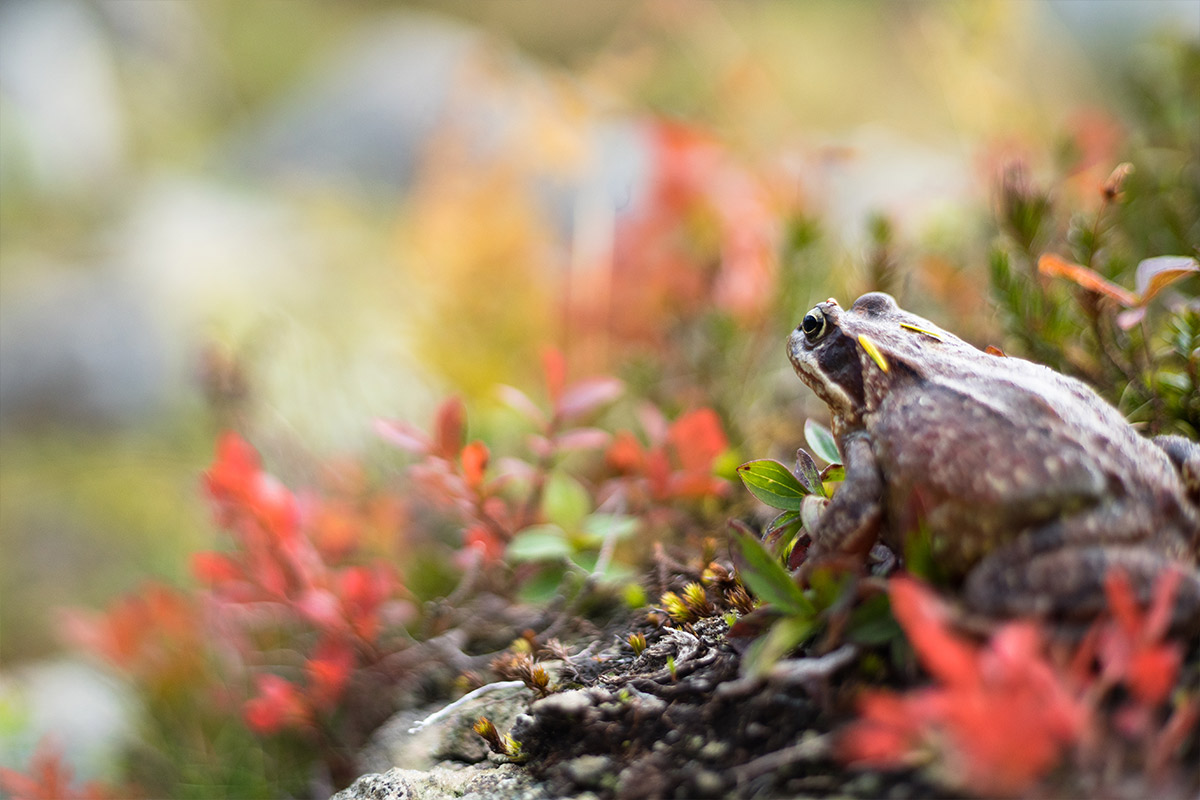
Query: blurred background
[[294, 217]]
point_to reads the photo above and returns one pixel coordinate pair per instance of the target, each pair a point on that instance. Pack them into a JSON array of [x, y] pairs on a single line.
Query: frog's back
[[1002, 446]]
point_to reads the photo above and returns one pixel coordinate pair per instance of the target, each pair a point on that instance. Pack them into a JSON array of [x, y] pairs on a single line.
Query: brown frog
[[1029, 484]]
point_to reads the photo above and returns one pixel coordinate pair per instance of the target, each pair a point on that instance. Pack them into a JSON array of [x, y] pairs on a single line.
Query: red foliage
[[274, 578], [704, 238], [474, 461], [679, 461], [1131, 649], [48, 778], [1003, 714], [277, 705], [1000, 713], [153, 636]]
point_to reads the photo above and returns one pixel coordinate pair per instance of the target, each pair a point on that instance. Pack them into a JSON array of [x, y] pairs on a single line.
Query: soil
[[679, 721]]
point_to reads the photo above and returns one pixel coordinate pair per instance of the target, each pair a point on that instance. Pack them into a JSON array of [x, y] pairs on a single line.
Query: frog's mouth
[[831, 368]]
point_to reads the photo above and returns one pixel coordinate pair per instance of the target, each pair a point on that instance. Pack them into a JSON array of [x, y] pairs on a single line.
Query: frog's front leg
[[850, 523]]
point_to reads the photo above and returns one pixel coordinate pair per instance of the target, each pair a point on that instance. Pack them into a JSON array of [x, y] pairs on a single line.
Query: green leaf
[[780, 523], [827, 586], [544, 586], [565, 502], [783, 532], [767, 578], [597, 528], [921, 559], [834, 473], [539, 543], [872, 623], [614, 571], [806, 470], [822, 442], [784, 636], [773, 483]]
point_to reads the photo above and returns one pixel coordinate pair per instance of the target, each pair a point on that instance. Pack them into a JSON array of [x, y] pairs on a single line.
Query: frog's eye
[[813, 325]]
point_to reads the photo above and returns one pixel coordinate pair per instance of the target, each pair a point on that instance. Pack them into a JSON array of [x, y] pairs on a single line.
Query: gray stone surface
[[448, 730], [479, 782]]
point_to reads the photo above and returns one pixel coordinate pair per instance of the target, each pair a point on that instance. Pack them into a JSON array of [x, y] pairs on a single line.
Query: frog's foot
[[1066, 585], [850, 523]]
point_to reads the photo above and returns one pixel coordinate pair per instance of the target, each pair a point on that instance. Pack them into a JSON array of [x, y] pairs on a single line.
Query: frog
[[1028, 484]]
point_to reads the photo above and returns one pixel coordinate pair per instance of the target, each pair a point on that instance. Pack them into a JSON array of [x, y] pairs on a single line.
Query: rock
[[363, 117], [591, 771], [80, 347], [479, 782], [565, 704], [65, 127], [416, 740], [90, 716]]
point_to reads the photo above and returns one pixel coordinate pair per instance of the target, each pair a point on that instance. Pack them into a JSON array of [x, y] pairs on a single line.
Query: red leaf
[[885, 735], [1152, 673], [234, 473], [626, 454], [1050, 264], [450, 428], [1122, 603], [554, 366], [697, 438], [363, 591], [215, 568], [1155, 274], [321, 607], [474, 462], [49, 778], [1158, 619], [404, 435], [329, 671], [481, 538], [582, 439], [518, 400], [584, 397], [278, 705], [924, 618]]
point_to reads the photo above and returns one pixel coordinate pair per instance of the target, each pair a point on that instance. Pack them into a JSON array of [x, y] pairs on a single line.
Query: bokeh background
[[296, 217]]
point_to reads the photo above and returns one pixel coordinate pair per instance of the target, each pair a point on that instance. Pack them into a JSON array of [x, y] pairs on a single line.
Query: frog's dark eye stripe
[[813, 325]]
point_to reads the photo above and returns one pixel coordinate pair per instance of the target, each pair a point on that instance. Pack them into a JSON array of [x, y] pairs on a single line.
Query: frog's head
[[850, 358]]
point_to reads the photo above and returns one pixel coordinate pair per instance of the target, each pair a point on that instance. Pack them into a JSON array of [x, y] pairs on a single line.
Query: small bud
[[539, 679], [696, 600], [675, 607], [638, 642], [484, 727], [1112, 186], [739, 599], [714, 573]]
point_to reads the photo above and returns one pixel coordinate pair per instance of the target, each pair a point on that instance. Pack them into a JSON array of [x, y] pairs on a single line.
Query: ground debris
[[678, 720]]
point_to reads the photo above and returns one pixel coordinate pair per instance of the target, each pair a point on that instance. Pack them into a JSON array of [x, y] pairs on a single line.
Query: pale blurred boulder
[[62, 128]]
